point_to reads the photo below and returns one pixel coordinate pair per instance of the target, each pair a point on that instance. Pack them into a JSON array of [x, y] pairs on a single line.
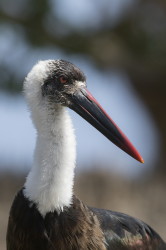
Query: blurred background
[[121, 47]]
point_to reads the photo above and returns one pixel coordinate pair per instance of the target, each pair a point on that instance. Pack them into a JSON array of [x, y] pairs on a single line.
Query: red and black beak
[[86, 106]]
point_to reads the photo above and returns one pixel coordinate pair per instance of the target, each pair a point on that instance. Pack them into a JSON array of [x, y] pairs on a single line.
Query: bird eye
[[63, 79]]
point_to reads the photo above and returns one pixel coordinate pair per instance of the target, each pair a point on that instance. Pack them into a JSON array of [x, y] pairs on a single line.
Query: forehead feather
[[65, 68], [54, 68]]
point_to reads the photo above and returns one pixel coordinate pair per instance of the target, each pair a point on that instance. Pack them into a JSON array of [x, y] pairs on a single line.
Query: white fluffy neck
[[50, 181]]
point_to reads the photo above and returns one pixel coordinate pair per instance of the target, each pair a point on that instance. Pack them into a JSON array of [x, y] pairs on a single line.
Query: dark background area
[[134, 43]]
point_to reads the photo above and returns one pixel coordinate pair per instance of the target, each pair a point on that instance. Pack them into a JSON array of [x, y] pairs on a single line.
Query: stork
[[45, 214]]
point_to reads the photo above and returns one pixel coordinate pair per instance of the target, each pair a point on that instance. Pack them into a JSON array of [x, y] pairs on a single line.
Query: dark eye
[[63, 79]]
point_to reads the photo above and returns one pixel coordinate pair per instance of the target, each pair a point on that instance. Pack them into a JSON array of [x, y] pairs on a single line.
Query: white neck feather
[[50, 181]]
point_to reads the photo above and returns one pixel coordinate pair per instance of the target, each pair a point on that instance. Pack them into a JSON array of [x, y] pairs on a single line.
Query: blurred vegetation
[[135, 44]]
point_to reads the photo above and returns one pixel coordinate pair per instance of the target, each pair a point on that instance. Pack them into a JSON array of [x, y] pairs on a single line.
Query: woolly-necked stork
[[45, 214]]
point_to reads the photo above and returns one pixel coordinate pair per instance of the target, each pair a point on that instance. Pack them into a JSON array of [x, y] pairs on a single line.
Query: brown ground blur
[[143, 199]]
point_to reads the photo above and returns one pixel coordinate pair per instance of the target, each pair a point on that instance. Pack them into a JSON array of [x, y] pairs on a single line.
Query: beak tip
[[142, 160]]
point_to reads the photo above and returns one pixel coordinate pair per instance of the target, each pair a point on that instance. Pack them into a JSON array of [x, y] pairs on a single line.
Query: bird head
[[52, 84]]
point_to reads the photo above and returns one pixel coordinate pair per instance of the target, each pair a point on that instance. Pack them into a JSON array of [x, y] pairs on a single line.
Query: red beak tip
[[141, 160]]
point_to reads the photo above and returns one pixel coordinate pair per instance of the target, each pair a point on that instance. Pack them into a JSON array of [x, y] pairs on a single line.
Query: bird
[[45, 213]]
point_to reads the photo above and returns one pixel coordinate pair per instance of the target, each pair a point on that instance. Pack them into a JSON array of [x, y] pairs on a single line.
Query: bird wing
[[123, 232]]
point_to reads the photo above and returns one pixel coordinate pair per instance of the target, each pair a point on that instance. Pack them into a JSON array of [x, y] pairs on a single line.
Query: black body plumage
[[77, 227]]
